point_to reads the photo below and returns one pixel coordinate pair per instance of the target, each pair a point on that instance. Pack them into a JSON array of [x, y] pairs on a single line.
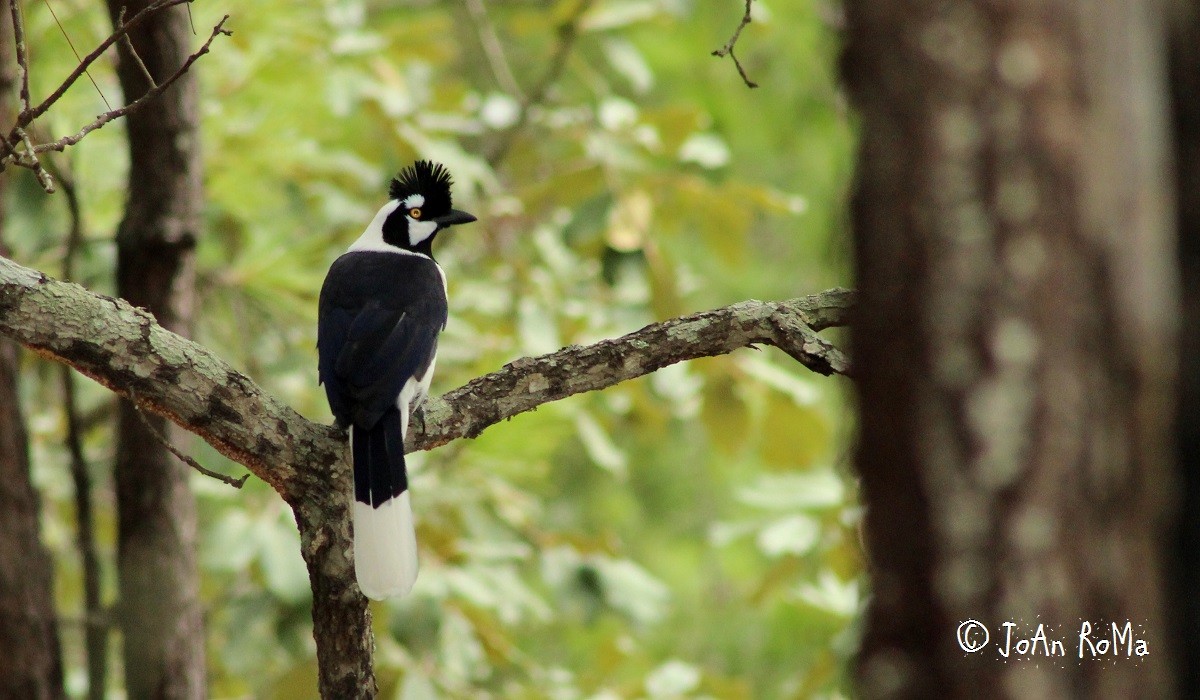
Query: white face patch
[[417, 230], [420, 230], [372, 238]]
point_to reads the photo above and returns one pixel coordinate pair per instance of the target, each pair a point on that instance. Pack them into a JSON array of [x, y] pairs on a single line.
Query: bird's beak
[[454, 217]]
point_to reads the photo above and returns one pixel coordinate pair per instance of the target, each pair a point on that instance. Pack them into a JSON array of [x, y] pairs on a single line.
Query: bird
[[382, 306]]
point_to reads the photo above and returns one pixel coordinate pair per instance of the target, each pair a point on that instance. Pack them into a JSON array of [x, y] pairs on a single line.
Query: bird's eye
[[415, 212]]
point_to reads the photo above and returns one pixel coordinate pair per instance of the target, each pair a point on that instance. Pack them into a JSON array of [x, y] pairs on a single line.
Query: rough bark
[[1014, 341], [30, 657], [124, 349], [529, 382], [1185, 91], [160, 613]]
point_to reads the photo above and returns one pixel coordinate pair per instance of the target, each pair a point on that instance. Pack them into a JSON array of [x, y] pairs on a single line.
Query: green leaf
[[814, 490], [795, 534], [673, 679]]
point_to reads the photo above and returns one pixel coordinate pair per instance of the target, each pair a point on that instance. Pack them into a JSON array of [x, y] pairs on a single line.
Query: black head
[[423, 207]]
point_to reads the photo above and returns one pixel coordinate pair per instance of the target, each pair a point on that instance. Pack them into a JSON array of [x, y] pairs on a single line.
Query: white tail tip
[[385, 548]]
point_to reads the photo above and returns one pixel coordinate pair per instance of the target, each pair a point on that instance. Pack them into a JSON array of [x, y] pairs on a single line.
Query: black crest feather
[[428, 179]]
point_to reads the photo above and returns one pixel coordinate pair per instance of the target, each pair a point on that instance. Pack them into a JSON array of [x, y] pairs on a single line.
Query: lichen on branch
[[123, 348]]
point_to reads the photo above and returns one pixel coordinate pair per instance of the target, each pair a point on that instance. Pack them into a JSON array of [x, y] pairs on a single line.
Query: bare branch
[[568, 32], [19, 149], [95, 636], [75, 51], [14, 7], [492, 48], [186, 459], [93, 56], [727, 49], [123, 348], [28, 159], [150, 94], [128, 44]]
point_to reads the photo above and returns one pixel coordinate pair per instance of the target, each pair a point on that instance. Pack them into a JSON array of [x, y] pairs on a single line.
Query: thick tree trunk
[[160, 612], [1185, 89], [30, 659], [1015, 341]]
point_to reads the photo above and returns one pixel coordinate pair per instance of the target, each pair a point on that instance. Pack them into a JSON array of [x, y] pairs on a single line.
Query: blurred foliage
[[691, 534]]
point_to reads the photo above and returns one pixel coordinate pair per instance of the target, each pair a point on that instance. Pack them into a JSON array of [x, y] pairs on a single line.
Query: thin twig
[[101, 120], [95, 54], [568, 32], [75, 51], [186, 459], [493, 49], [28, 158], [128, 44], [727, 49], [14, 7]]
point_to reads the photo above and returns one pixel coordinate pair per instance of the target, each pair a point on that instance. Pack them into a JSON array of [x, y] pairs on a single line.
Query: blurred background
[[693, 533]]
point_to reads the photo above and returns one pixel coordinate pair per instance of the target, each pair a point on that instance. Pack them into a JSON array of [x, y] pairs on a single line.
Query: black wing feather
[[380, 314]]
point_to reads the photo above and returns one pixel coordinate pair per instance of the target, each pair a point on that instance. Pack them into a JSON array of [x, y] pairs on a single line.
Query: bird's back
[[379, 316]]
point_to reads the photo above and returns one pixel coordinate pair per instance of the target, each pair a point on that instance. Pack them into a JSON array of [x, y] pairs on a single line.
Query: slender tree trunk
[[1014, 345], [30, 659], [1185, 89], [160, 612]]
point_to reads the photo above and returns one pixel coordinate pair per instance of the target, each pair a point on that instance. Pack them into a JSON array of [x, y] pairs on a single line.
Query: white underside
[[385, 548], [413, 394]]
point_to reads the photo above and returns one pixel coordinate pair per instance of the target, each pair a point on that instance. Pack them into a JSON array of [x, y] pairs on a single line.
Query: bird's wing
[[370, 346], [384, 349]]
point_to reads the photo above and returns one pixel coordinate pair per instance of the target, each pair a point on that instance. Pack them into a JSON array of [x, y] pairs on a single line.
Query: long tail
[[385, 543]]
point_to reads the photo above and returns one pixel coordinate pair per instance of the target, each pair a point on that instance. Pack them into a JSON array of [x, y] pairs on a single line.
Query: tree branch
[[18, 24], [94, 55], [150, 94], [27, 158], [727, 49], [525, 384], [95, 636], [568, 32], [185, 458], [124, 349]]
